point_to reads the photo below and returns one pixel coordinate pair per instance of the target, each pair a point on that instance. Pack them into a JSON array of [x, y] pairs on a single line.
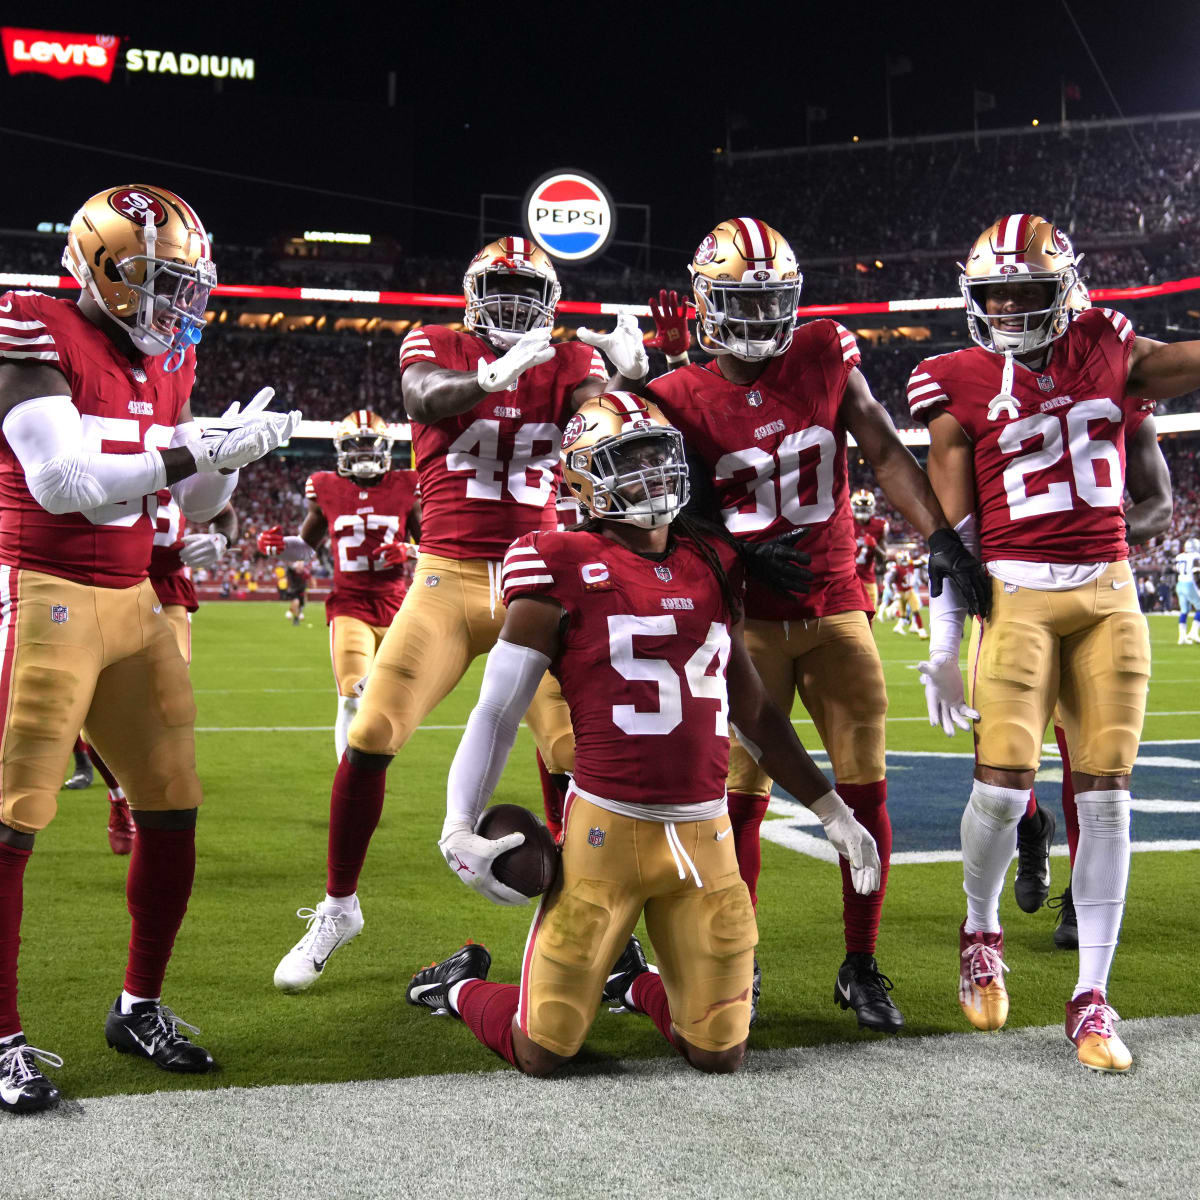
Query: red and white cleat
[[121, 829], [1090, 1020], [981, 992]]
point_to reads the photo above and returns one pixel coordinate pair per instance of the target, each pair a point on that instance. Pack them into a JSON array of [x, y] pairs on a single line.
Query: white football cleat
[[923, 634], [1183, 637], [330, 926]]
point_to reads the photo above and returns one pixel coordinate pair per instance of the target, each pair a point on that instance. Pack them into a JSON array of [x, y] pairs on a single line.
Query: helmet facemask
[[504, 304], [1039, 327], [639, 476], [363, 456], [752, 320]]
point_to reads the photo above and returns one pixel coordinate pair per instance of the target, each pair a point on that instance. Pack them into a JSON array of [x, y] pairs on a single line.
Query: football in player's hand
[[530, 868]]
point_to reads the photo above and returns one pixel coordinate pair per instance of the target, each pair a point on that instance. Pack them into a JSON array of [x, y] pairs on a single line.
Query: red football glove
[[670, 323], [270, 541], [391, 554]]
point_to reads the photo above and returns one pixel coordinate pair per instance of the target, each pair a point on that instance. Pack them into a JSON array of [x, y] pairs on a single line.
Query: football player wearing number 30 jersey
[[371, 513], [94, 398], [488, 407], [1028, 449], [638, 616], [767, 420]]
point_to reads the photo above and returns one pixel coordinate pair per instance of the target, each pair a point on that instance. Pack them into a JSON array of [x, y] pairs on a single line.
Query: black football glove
[[778, 563], [950, 559]]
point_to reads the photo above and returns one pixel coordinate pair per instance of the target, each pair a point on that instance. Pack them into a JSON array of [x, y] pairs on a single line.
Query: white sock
[[989, 841], [452, 995], [348, 903], [12, 1037], [1098, 882], [128, 1001], [117, 793], [347, 707]]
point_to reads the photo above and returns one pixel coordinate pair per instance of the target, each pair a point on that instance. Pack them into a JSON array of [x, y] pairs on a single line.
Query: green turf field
[[266, 758]]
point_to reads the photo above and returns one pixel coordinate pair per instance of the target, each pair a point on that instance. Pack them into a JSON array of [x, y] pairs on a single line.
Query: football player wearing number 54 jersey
[[766, 422], [638, 615], [370, 512], [1028, 450], [488, 406], [94, 399]]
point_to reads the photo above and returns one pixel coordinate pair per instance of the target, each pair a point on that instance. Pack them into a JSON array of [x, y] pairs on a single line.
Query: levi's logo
[[595, 576], [60, 55]]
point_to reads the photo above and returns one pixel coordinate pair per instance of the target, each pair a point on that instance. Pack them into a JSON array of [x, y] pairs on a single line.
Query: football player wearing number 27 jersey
[[1028, 449], [368, 510], [638, 616], [488, 407], [766, 421], [94, 399]]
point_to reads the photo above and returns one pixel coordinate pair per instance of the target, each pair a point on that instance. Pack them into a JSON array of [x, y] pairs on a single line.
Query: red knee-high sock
[[860, 914], [487, 1010], [157, 888], [916, 617], [650, 997], [554, 796], [355, 806], [12, 874], [1031, 807], [1070, 812], [109, 778], [80, 746], [746, 814]]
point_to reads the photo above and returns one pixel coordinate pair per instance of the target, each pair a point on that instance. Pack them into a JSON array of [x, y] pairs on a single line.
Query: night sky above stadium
[[640, 96]]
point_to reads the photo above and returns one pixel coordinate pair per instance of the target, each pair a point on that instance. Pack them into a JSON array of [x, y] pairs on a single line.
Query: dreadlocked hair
[[700, 534]]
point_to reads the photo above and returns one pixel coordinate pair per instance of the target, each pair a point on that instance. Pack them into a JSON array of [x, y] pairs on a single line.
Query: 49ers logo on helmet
[[706, 251], [137, 206], [573, 431], [1062, 243]]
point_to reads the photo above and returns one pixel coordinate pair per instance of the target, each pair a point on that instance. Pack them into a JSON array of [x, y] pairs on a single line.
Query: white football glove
[[470, 857], [202, 549], [241, 436], [533, 348], [851, 841], [944, 694], [623, 347]]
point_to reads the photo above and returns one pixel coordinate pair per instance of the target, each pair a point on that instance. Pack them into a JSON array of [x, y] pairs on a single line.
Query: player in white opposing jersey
[[1187, 589]]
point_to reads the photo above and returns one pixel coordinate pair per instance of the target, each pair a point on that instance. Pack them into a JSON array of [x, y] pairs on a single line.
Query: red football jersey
[[361, 518], [902, 577], [864, 556], [170, 579], [489, 475], [777, 453], [1049, 474], [127, 406], [643, 661]]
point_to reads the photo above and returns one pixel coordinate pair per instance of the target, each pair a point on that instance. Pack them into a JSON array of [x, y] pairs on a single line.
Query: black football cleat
[[430, 988], [755, 991], [629, 965], [82, 776], [23, 1088], [153, 1031], [863, 987], [1034, 835], [1066, 932]]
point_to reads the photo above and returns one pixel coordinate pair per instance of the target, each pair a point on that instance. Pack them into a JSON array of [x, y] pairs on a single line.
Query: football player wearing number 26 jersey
[[488, 407], [1028, 449], [94, 399], [639, 617]]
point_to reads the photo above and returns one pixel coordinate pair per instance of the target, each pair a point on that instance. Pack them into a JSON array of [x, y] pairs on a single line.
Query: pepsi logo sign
[[706, 251], [137, 206], [569, 215]]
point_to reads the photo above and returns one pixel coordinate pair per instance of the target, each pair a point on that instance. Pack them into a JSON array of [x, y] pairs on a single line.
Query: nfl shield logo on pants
[[58, 614], [595, 837]]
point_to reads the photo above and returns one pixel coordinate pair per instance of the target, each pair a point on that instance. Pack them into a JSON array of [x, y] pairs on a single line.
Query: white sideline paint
[[882, 1118]]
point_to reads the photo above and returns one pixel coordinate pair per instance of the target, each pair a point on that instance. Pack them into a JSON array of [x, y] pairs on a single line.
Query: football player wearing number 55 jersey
[[638, 615], [1028, 434], [370, 513], [488, 406], [767, 421], [96, 419]]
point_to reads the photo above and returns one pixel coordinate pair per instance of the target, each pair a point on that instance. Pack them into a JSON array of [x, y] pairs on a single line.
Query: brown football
[[531, 867]]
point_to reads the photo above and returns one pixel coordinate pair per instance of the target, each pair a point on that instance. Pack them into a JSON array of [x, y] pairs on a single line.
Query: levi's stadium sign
[[94, 55], [570, 215]]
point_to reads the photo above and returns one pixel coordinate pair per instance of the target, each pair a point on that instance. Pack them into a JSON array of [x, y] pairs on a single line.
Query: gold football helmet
[[1020, 248], [746, 287], [511, 287], [904, 559], [363, 445], [624, 461], [862, 504], [142, 254]]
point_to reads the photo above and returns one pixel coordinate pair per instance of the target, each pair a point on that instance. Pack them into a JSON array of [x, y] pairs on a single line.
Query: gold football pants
[[353, 645]]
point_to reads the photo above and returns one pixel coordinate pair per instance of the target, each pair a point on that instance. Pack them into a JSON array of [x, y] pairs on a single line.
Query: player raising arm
[[94, 405], [1028, 458], [368, 510], [639, 619]]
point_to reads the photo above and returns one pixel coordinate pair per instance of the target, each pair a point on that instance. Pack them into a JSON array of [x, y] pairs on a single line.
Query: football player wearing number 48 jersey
[[368, 511], [638, 616], [1028, 449], [94, 399], [488, 406]]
